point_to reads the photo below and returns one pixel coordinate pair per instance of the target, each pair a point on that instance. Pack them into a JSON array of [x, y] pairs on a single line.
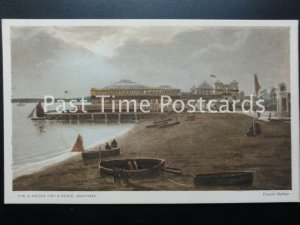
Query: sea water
[[40, 143]]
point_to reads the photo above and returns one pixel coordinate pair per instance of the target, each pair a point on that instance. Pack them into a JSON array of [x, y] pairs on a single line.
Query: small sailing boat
[[78, 146], [31, 114], [39, 112]]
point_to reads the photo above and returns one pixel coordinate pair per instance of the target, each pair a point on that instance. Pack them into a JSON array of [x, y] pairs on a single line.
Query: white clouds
[[105, 44]]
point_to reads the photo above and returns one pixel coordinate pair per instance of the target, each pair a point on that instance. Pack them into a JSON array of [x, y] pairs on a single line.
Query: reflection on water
[[40, 143], [40, 127]]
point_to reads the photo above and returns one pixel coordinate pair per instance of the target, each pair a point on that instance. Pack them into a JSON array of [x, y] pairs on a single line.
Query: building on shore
[[220, 89], [207, 92], [203, 89], [129, 90], [227, 90]]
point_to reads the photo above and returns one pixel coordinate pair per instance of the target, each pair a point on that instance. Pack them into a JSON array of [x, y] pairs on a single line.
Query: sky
[[52, 60]]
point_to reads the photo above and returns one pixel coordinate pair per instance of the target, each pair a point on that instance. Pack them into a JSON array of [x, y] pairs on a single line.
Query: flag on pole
[[257, 85], [66, 92], [214, 76]]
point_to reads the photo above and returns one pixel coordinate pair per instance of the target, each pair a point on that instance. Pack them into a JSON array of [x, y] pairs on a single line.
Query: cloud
[[43, 64], [191, 56], [78, 58]]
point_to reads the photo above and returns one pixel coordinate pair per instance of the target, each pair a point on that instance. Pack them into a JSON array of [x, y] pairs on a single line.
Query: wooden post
[[119, 117]]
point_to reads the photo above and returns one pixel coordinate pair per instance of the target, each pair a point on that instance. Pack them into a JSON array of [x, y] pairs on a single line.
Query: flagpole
[[210, 79]]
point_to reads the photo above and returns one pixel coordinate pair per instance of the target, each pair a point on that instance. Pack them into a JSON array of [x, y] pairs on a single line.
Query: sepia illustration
[[151, 108]]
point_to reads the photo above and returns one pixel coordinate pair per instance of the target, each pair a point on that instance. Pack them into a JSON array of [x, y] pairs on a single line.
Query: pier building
[[130, 90]]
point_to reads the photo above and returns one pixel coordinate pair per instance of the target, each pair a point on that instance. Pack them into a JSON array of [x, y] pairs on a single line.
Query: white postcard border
[[125, 197]]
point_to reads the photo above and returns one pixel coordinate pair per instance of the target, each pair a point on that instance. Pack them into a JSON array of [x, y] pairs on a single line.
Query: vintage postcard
[[150, 111]]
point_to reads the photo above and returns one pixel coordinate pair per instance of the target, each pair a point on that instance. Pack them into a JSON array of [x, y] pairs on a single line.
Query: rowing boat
[[243, 178], [138, 167], [163, 121], [156, 124], [169, 124]]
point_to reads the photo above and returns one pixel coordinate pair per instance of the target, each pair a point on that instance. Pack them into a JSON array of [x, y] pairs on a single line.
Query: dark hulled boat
[[112, 152], [39, 110], [169, 124], [87, 155], [156, 124], [37, 113], [159, 123], [163, 121], [139, 167], [243, 178]]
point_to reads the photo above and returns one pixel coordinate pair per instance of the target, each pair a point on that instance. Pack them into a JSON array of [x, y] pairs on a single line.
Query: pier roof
[[125, 84]]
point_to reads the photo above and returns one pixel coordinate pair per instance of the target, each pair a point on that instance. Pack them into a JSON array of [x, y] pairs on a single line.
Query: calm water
[[37, 144]]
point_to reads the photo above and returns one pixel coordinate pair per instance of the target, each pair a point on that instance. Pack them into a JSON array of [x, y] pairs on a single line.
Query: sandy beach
[[199, 144]]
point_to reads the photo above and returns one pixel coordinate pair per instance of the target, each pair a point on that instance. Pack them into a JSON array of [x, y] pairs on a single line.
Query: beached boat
[[169, 124], [243, 178], [96, 154], [163, 121], [156, 124], [112, 152], [159, 123], [281, 120], [139, 167]]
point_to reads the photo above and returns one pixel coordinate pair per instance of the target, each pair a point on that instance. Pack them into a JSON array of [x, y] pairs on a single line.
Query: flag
[[214, 76], [257, 85], [66, 92]]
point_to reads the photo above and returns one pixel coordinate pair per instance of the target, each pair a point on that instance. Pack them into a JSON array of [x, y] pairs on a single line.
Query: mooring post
[[119, 117], [105, 117]]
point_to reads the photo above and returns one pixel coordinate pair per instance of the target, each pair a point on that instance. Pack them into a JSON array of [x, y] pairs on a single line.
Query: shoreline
[[70, 155], [201, 143]]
